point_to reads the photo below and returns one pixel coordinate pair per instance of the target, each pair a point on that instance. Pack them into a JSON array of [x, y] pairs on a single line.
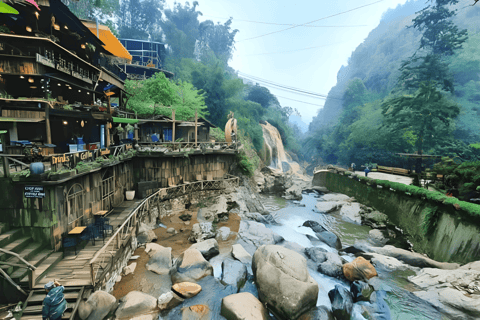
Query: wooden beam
[[47, 124], [196, 128], [173, 125]]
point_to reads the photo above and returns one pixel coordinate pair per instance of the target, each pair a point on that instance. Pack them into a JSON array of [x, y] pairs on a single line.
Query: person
[[54, 304], [353, 167], [367, 170]]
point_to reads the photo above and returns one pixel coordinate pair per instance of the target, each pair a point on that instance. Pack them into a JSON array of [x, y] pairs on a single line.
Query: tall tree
[[423, 118], [140, 19], [219, 38]]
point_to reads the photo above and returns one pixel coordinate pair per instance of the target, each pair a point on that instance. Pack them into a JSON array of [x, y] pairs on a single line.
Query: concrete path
[[387, 176]]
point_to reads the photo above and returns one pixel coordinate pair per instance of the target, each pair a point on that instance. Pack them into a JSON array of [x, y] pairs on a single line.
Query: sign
[[34, 192], [45, 61], [67, 157], [128, 146], [105, 152]]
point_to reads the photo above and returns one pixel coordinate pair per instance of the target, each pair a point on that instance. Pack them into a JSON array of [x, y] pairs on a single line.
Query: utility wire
[[289, 90], [313, 104], [287, 24], [309, 48], [301, 25]]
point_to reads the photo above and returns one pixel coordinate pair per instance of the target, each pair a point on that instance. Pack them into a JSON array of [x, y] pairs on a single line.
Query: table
[[100, 213], [77, 230]]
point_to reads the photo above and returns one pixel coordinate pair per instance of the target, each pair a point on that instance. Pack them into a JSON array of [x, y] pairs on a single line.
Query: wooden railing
[[188, 146], [104, 259]]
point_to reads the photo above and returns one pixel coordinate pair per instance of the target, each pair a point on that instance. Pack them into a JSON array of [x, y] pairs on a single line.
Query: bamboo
[[20, 258], [11, 282]]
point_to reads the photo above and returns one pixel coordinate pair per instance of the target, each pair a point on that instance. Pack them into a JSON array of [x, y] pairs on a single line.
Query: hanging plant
[[120, 129], [129, 128]]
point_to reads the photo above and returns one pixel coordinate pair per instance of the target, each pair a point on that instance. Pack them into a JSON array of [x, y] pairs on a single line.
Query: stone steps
[[44, 267], [28, 252], [9, 236], [36, 260], [15, 246], [33, 306]]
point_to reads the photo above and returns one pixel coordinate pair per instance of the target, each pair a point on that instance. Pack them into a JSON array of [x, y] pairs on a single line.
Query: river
[[291, 215]]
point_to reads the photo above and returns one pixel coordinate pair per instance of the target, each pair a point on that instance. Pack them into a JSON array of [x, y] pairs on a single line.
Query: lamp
[[79, 90], [28, 29], [31, 80], [65, 122], [82, 46], [37, 14], [22, 77], [59, 84], [66, 27], [82, 123], [56, 27]]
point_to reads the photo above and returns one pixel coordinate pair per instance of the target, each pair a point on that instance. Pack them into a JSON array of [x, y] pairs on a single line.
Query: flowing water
[[291, 215]]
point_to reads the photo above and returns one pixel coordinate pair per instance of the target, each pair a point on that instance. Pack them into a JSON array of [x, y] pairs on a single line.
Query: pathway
[[388, 176], [74, 270]]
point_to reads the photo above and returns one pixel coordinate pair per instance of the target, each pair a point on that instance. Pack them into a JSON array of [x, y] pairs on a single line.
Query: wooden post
[[109, 111], [92, 274], [107, 135], [31, 278], [173, 127], [196, 128], [118, 240], [47, 123]]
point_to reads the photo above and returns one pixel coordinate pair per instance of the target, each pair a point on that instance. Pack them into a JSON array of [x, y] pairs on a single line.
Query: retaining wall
[[455, 232]]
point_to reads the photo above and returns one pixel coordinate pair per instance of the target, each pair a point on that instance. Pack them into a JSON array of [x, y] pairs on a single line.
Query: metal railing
[[104, 258]]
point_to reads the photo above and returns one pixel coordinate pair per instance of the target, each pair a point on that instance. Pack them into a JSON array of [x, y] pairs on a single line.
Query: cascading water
[[275, 152]]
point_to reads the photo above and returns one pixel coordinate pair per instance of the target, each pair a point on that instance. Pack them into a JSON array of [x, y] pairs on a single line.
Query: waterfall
[[275, 155]]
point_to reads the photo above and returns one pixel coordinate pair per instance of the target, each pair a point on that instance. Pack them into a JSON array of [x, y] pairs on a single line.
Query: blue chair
[[68, 242], [89, 234]]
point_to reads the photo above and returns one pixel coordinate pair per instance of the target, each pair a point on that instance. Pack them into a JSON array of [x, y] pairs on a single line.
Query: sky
[[327, 48]]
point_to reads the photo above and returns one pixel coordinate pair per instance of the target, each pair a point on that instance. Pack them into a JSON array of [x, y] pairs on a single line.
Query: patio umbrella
[[5, 8]]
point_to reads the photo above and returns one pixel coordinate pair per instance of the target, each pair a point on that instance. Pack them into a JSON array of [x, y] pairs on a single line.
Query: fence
[[105, 258], [204, 146]]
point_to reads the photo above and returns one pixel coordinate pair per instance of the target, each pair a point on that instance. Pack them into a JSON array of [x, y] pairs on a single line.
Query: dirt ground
[[152, 283]]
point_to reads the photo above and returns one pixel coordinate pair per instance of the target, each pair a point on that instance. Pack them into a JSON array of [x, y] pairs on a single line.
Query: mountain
[[294, 119]]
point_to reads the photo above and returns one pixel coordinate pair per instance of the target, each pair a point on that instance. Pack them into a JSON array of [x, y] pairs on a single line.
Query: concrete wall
[[455, 237]]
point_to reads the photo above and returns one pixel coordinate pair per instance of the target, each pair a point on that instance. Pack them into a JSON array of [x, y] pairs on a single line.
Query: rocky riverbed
[[249, 256]]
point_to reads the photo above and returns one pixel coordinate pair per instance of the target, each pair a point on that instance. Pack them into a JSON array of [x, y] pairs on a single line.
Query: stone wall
[[455, 236]]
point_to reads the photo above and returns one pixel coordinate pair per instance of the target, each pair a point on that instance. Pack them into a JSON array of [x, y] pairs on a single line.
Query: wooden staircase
[[32, 309], [35, 253]]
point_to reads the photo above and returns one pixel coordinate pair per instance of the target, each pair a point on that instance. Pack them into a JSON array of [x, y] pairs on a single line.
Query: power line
[[318, 105], [287, 24], [309, 48], [281, 85], [301, 25]]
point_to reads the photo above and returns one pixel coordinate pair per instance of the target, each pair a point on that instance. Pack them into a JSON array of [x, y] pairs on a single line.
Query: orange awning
[[112, 44]]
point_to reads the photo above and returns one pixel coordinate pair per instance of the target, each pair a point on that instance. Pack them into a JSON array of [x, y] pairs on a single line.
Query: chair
[[68, 242], [89, 234], [106, 225]]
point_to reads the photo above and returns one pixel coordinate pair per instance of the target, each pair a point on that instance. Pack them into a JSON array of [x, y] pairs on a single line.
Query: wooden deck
[[74, 270]]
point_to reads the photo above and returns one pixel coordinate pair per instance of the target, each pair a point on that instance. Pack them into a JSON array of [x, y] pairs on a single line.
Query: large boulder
[[234, 273], [352, 212], [316, 254], [252, 235], [243, 306], [186, 290], [169, 301], [145, 234], [317, 313], [328, 207], [314, 225], [190, 266], [135, 303], [335, 197], [375, 219], [239, 253], [283, 281], [208, 248], [255, 216], [152, 248], [342, 302], [129, 269], [359, 269], [161, 261], [202, 231], [97, 306], [361, 291], [329, 238]]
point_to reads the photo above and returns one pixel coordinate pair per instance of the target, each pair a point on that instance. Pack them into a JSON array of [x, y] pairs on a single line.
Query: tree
[[423, 117], [262, 96], [140, 19], [219, 38]]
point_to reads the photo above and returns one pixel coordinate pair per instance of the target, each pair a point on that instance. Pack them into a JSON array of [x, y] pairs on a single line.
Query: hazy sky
[[312, 69]]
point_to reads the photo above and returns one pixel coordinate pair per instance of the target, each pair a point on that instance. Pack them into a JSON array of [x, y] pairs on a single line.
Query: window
[[75, 203]]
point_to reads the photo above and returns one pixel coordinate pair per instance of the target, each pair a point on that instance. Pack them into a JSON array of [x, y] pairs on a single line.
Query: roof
[[112, 44], [9, 119]]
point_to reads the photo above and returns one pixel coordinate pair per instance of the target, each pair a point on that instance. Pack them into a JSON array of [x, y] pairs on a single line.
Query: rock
[[171, 230], [330, 239], [277, 238], [269, 219], [352, 212], [385, 261], [328, 207], [190, 266], [294, 192], [378, 309], [223, 233], [314, 225], [255, 216], [318, 313], [119, 278], [283, 281], [219, 206], [196, 312], [316, 254], [135, 303], [239, 253], [161, 261], [234, 273], [361, 291], [342, 302], [375, 219], [169, 301], [202, 231], [146, 237], [208, 248], [253, 235], [332, 266], [97, 306], [152, 248], [129, 269], [144, 317], [243, 306], [377, 236], [359, 269], [335, 197], [187, 223], [186, 290], [134, 257], [294, 247]]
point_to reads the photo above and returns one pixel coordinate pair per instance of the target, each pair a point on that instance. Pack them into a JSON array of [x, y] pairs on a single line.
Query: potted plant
[[20, 175], [130, 194], [83, 167]]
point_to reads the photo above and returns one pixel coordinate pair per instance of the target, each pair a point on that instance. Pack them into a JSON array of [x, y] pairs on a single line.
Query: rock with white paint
[[135, 303], [223, 233], [129, 269], [202, 231]]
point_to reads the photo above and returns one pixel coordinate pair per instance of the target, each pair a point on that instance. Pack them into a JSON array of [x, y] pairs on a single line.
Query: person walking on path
[[54, 304], [367, 170], [353, 167]]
